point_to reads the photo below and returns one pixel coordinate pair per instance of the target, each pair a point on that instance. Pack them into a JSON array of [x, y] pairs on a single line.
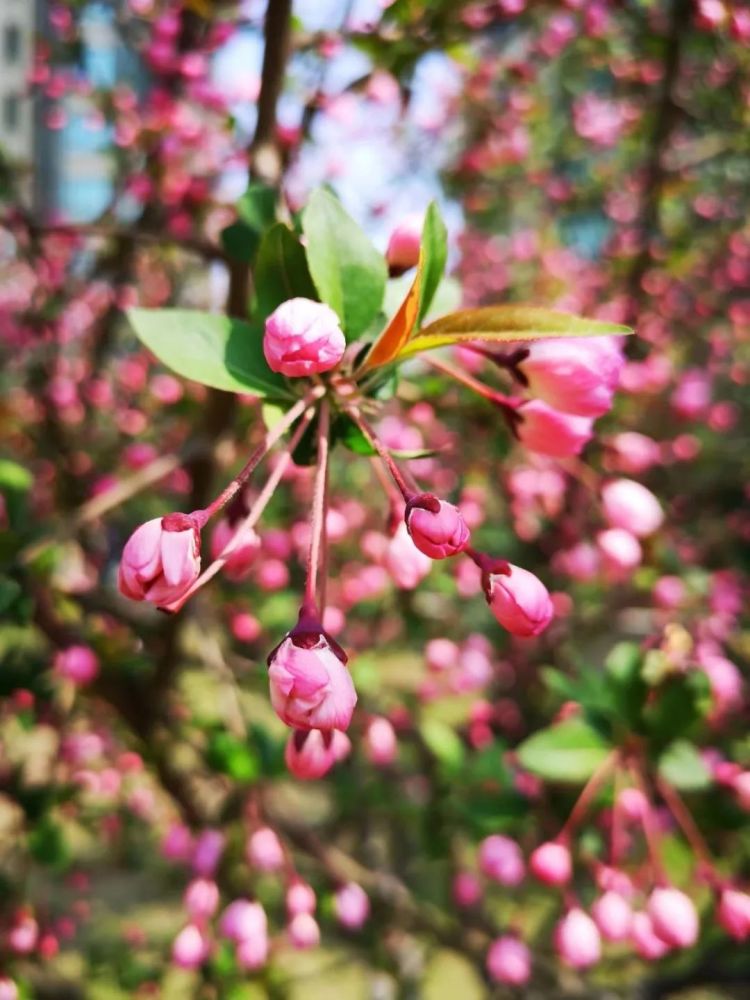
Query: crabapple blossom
[[733, 913], [613, 916], [509, 961], [404, 243], [437, 528], [351, 906], [647, 942], [79, 664], [574, 375], [311, 687], [311, 753], [500, 859], [520, 601], [407, 566], [673, 916], [244, 548], [161, 559], [303, 931], [551, 863], [303, 337], [548, 431], [629, 505], [380, 742], [264, 850], [191, 947]]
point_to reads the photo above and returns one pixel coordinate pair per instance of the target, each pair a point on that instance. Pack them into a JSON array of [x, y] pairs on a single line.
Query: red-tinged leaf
[[505, 324], [392, 340]]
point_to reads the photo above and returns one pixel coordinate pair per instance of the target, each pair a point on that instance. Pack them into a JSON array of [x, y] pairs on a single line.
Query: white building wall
[[17, 21]]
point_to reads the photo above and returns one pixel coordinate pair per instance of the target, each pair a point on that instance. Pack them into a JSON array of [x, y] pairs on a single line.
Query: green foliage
[[217, 351], [281, 271], [347, 270], [434, 252], [256, 211], [569, 751]]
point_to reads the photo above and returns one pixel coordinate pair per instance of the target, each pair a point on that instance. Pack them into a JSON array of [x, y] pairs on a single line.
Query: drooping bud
[[406, 565], [351, 905], [403, 246], [243, 921], [437, 528], [303, 337], [577, 939], [551, 863], [500, 859], [303, 931], [647, 942], [311, 687], [244, 548], [629, 505], [264, 851], [191, 948], [161, 559], [300, 898], [311, 754], [674, 917], [380, 742], [201, 899], [519, 600], [613, 915], [509, 961], [77, 663], [733, 913]]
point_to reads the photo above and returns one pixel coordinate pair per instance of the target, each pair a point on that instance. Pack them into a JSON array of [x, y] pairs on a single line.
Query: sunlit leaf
[[281, 271], [214, 350], [568, 752], [505, 324]]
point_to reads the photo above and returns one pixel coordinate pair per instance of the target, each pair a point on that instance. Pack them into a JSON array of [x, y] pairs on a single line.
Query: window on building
[[11, 112], [12, 43]]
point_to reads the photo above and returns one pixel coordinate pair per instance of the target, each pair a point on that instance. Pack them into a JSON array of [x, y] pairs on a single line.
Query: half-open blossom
[[311, 687], [509, 961], [161, 559], [548, 431], [519, 600], [674, 917], [311, 754], [403, 246], [437, 528], [574, 375], [303, 337], [577, 939], [629, 505]]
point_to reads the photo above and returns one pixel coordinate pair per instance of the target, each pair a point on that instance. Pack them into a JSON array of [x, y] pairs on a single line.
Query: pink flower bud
[[551, 863], [23, 935], [501, 860], [406, 565], [674, 917], [311, 754], [404, 244], [252, 952], [577, 939], [191, 948], [351, 905], [733, 913], [669, 592], [302, 338], [633, 803], [620, 551], [201, 899], [244, 548], [177, 844], [300, 898], [549, 432], [613, 915], [629, 505], [647, 943], [77, 663], [311, 687], [520, 601], [161, 559], [380, 742], [509, 961], [208, 850], [8, 989], [467, 889], [264, 851], [436, 527], [574, 375], [303, 931], [243, 921]]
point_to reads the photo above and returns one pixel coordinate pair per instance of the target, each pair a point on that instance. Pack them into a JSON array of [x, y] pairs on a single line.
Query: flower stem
[[649, 829], [252, 517], [406, 492], [499, 398], [590, 791], [692, 834], [270, 439], [315, 592]]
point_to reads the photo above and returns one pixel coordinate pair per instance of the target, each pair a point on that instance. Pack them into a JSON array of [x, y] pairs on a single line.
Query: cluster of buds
[[243, 922], [571, 382]]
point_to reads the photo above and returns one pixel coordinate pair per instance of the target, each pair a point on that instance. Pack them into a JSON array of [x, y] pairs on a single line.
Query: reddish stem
[[252, 517], [649, 829], [486, 391], [692, 834], [318, 534], [406, 492], [270, 439], [590, 791]]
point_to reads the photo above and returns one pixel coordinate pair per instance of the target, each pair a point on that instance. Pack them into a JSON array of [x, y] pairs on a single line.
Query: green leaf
[[281, 271], [232, 757], [434, 251], [348, 271], [682, 766], [505, 324], [676, 706], [215, 350], [570, 751], [443, 742], [256, 211], [352, 438], [14, 477]]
